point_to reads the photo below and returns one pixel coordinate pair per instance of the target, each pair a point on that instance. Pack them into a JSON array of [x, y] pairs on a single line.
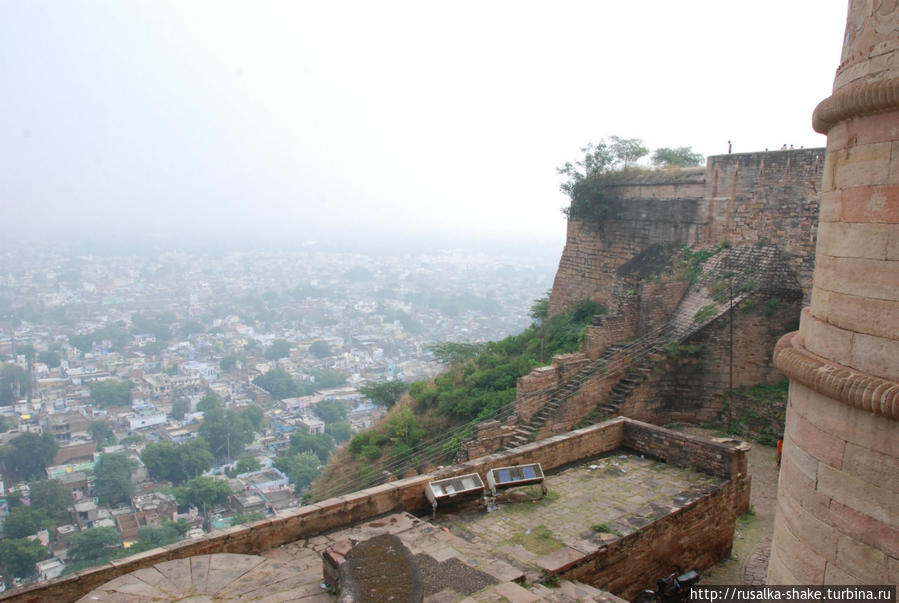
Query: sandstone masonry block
[[876, 355], [878, 317], [870, 203], [854, 493], [827, 340], [817, 443], [858, 559]]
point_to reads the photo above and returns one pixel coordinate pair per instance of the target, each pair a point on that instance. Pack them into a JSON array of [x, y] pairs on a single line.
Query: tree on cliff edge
[[680, 157]]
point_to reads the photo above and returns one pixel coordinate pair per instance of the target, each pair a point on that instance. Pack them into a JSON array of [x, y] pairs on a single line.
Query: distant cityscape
[[180, 326]]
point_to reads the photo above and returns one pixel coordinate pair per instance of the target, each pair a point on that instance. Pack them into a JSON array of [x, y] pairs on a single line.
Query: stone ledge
[[844, 384], [866, 99]]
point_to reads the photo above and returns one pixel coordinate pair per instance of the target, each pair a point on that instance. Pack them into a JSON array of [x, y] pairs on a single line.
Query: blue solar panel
[[529, 472], [505, 476]]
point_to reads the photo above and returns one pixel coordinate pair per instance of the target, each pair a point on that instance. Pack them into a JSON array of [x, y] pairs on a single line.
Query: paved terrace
[[657, 514], [466, 554]]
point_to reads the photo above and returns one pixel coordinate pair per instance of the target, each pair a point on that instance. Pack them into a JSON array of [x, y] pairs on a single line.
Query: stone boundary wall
[[408, 495], [695, 536], [535, 389]]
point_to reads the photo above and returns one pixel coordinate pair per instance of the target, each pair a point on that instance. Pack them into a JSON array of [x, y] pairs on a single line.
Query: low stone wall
[[695, 536], [408, 495]]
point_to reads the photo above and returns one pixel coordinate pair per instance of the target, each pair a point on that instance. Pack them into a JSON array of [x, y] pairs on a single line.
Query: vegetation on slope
[[427, 424], [589, 182]]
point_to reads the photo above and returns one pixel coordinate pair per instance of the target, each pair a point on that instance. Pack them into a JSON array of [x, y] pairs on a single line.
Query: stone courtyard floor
[[465, 554]]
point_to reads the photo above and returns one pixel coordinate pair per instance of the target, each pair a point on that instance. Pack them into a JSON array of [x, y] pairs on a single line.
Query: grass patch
[[604, 528], [549, 580], [705, 313], [539, 540]]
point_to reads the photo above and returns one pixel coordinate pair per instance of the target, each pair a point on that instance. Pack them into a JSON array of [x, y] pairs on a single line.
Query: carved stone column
[[838, 500]]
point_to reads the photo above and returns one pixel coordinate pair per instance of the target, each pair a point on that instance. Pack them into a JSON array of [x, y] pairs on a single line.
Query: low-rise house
[[248, 503], [311, 424], [267, 479], [49, 568], [86, 513], [76, 452]]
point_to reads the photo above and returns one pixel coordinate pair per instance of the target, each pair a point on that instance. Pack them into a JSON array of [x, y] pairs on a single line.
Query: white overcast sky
[[309, 120]]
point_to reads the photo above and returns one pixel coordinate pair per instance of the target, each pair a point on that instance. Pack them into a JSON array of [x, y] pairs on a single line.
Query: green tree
[[190, 327], [679, 157], [247, 463], [100, 432], [232, 361], [180, 407], [18, 556], [540, 308], [254, 416], [227, 432], [449, 352], [280, 348], [319, 444], [330, 411], [280, 384], [25, 521], [50, 358], [341, 431], [111, 392], [208, 402], [325, 378], [627, 151], [588, 181], [384, 394], [300, 468], [320, 349], [203, 492], [83, 341], [152, 536], [403, 427], [94, 545], [177, 463], [154, 348], [112, 478], [29, 454], [51, 497], [15, 384], [157, 323]]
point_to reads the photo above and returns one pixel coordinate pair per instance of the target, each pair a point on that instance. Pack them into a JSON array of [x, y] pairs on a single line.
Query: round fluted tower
[[837, 516]]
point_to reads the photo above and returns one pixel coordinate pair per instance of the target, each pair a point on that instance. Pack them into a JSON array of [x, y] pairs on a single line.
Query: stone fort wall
[[744, 198]]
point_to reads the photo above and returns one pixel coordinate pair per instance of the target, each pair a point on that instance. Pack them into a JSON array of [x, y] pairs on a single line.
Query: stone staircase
[[748, 269], [528, 432]]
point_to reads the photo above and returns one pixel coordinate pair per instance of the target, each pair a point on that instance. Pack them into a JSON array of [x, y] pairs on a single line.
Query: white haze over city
[[291, 122]]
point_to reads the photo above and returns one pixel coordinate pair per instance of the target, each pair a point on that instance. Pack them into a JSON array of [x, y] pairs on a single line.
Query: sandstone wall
[[691, 537], [408, 494], [744, 198], [767, 198], [690, 385]]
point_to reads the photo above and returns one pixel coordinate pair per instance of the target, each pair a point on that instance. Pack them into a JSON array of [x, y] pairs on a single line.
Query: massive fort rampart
[[664, 351], [741, 199]]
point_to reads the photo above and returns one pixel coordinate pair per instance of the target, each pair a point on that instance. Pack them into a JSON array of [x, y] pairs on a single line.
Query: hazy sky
[[303, 121]]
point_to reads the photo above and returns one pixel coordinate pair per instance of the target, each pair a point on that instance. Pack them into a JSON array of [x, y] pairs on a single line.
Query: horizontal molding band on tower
[[849, 386], [855, 101]]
